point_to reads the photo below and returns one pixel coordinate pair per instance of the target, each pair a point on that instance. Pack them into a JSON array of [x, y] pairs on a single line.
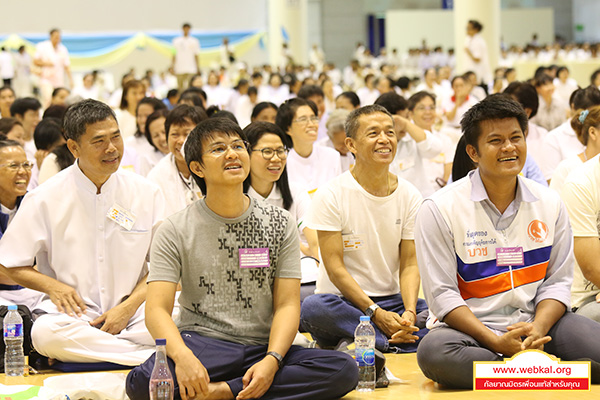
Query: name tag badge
[[121, 216], [254, 258], [352, 242], [509, 256]]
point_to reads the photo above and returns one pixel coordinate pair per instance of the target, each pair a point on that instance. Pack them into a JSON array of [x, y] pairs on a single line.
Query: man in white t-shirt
[[52, 56], [581, 194], [88, 230], [186, 59], [364, 220]]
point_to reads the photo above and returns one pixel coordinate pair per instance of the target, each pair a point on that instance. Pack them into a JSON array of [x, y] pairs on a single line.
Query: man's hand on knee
[[66, 299], [114, 320]]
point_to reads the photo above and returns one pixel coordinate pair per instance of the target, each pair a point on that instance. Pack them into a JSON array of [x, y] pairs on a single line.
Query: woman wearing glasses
[[309, 166], [268, 181]]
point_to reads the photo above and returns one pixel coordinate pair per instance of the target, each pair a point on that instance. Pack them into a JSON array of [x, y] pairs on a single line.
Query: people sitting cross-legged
[[88, 229], [240, 305], [495, 251], [364, 220]]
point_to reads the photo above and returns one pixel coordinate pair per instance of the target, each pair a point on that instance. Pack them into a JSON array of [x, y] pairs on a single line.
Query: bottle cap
[[161, 342], [12, 308], [364, 318]]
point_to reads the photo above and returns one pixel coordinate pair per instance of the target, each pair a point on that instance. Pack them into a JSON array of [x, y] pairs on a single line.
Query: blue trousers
[[446, 355], [305, 374], [330, 318]]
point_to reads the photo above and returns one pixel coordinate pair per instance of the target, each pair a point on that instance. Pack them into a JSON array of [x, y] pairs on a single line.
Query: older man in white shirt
[[53, 58], [88, 229]]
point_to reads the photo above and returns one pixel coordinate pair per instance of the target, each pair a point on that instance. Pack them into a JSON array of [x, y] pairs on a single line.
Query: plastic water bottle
[[14, 359], [364, 342], [161, 380]]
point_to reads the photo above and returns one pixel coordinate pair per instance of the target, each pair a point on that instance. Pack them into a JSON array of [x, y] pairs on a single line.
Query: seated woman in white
[[154, 133], [139, 143], [309, 166], [172, 173]]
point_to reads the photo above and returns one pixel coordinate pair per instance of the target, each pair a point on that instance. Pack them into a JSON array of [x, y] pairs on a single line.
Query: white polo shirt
[[64, 228], [58, 56]]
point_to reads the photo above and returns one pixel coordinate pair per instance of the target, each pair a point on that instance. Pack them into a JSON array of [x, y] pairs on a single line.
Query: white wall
[[586, 13], [437, 27]]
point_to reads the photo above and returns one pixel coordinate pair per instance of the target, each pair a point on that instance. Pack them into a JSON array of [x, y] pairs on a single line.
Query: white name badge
[[509, 256], [121, 216], [352, 242], [254, 258]]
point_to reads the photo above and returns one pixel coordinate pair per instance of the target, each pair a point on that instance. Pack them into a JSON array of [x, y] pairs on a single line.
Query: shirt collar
[[478, 192], [85, 183]]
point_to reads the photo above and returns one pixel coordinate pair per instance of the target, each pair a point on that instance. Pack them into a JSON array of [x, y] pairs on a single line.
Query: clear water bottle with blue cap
[[364, 342], [161, 380], [14, 359]]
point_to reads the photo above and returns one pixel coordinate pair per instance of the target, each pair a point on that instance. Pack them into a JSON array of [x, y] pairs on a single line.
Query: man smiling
[[88, 229], [237, 261], [364, 220], [495, 252]]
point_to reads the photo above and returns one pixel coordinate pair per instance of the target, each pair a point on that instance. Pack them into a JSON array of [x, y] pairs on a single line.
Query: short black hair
[[476, 25], [417, 97], [287, 112], [184, 114], [525, 94], [186, 25], [392, 102], [55, 111], [495, 106], [541, 80], [352, 98], [22, 105], [253, 133], [353, 120], [260, 107], [57, 90], [403, 82], [224, 114], [582, 99], [205, 130], [47, 133], [7, 124], [172, 93], [84, 113], [308, 91]]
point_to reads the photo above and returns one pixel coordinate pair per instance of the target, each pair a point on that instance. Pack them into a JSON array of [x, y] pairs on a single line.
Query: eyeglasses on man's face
[[218, 149], [15, 166]]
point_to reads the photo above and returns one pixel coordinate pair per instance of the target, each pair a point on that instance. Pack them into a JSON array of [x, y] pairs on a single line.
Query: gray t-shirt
[[219, 298]]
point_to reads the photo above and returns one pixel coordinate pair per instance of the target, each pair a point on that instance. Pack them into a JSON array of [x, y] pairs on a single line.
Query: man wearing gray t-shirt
[[237, 261]]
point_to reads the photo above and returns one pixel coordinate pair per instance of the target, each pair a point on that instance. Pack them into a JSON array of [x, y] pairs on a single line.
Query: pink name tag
[[509, 256], [254, 258]]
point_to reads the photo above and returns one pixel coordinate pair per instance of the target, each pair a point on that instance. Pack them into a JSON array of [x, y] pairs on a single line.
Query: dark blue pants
[[446, 355], [330, 318], [305, 374]]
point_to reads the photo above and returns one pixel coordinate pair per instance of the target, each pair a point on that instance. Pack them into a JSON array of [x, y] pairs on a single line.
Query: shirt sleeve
[[559, 275], [534, 172], [165, 258], [288, 261], [581, 207], [437, 261], [430, 147], [324, 213], [414, 202]]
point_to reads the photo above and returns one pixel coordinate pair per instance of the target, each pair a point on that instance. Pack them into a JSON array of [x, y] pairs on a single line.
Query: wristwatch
[[370, 311], [277, 356]]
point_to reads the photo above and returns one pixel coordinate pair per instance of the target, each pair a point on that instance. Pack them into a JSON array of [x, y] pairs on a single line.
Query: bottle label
[[365, 357], [13, 330]]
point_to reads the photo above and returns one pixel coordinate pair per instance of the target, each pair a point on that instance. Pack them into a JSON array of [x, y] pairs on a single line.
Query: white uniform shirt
[[559, 144], [535, 141], [408, 162], [177, 191], [372, 228], [347, 160], [311, 172], [186, 51], [58, 56], [581, 194], [476, 44], [63, 227]]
